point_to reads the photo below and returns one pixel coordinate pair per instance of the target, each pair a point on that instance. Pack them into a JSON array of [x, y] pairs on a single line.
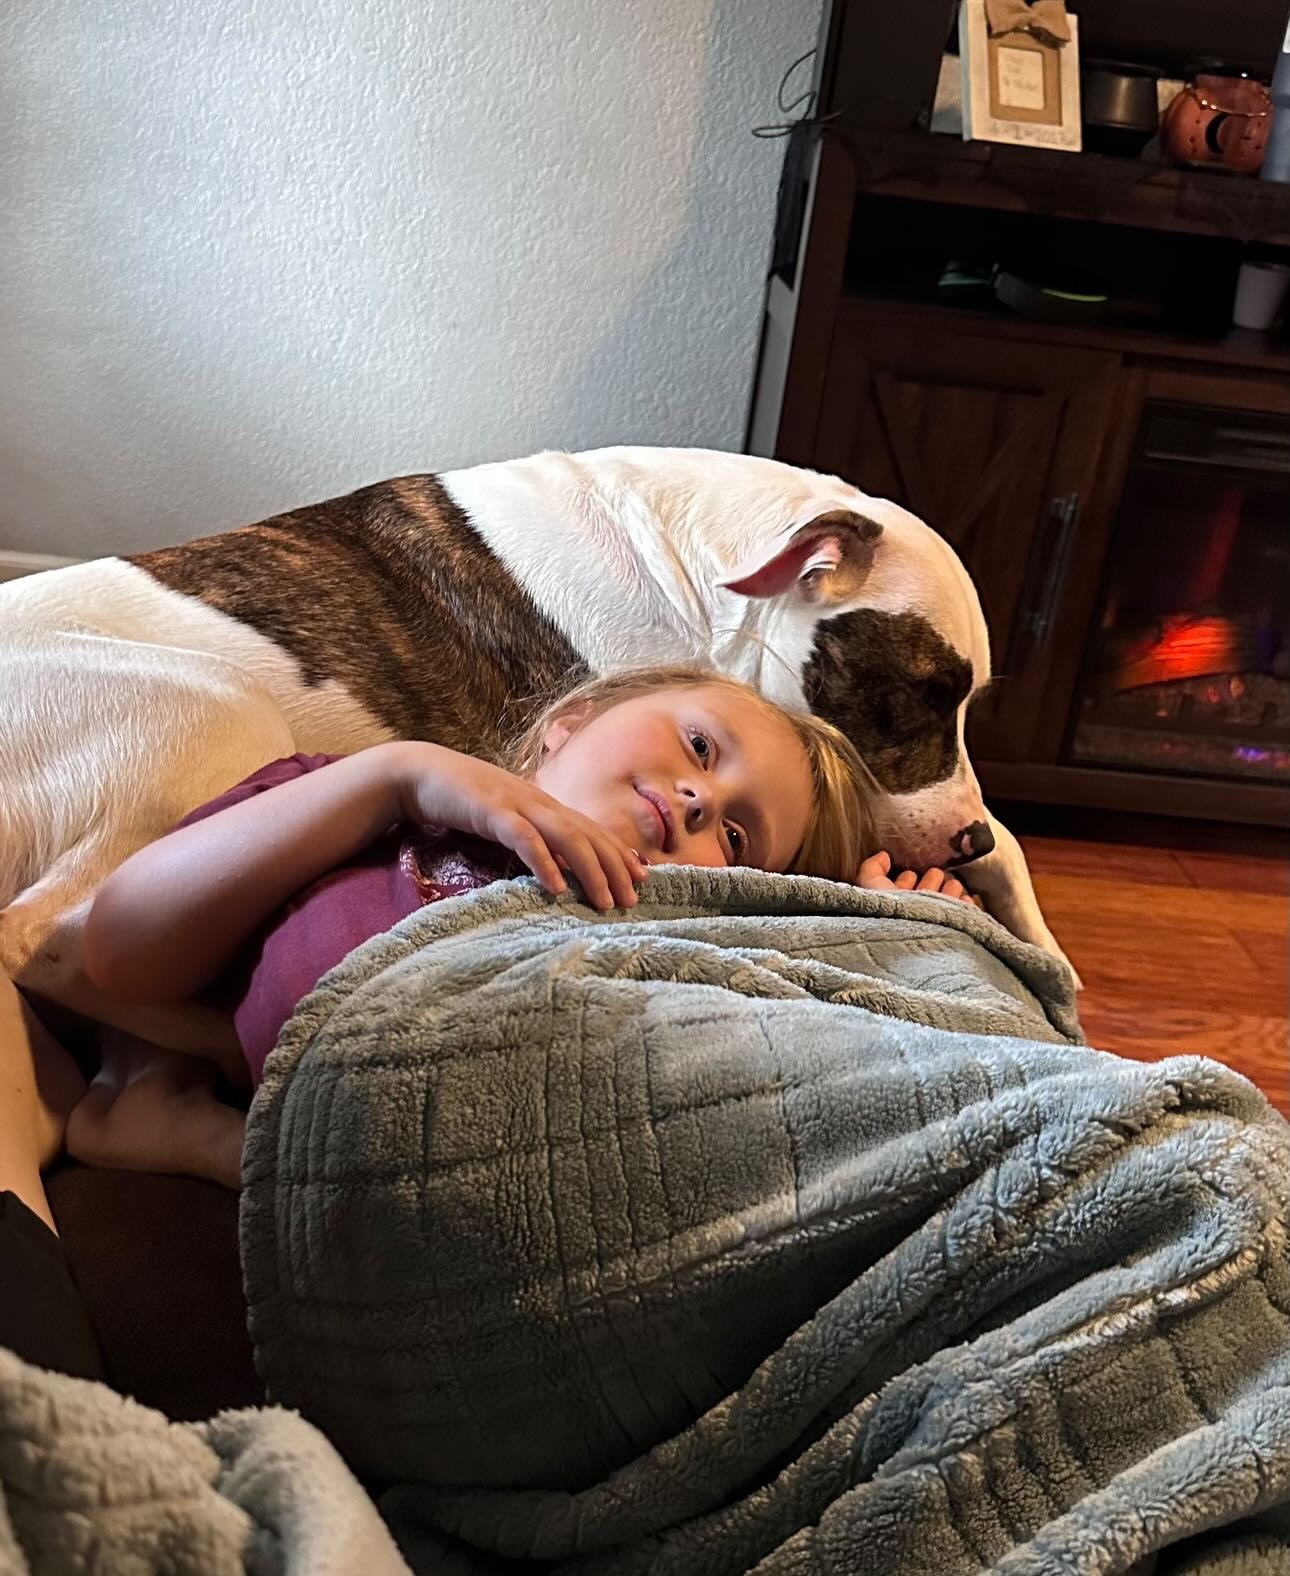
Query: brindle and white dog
[[132, 689]]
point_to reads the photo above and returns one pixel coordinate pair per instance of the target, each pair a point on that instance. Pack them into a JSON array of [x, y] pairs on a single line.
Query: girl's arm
[[176, 914]]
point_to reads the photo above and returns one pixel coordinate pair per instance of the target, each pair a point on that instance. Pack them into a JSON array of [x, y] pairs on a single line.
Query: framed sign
[[1019, 87]]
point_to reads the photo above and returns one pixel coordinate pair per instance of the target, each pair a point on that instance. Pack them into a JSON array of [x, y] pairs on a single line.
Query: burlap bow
[[1045, 20]]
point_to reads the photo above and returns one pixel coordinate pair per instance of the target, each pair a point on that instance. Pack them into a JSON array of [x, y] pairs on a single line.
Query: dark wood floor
[[1182, 938]]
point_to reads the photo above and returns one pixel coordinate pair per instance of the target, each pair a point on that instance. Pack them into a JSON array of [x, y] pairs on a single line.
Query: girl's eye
[[700, 745], [737, 843]]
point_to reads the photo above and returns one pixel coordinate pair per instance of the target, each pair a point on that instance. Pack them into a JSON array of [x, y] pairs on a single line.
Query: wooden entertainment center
[[1017, 437]]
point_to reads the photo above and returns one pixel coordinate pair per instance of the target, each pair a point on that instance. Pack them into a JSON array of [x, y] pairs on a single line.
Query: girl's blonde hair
[[839, 829]]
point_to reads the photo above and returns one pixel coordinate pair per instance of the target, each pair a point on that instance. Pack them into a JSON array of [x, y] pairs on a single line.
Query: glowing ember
[[1187, 648]]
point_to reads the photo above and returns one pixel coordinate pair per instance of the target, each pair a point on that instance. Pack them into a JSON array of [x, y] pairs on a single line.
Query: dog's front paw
[[1003, 880], [1038, 935]]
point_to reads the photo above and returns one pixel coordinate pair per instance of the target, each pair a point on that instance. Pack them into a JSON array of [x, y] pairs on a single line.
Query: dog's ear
[[824, 561]]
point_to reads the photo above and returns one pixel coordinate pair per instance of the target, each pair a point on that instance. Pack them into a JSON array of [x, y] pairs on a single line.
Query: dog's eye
[[939, 696], [900, 714]]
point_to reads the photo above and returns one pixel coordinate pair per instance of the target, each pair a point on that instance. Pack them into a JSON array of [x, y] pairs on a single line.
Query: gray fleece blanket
[[774, 1227]]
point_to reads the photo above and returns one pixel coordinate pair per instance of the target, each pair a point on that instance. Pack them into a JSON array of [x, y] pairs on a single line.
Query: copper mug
[[1218, 120]]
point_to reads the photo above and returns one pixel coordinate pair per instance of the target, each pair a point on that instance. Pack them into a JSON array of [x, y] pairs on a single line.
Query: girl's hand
[[443, 788], [875, 876]]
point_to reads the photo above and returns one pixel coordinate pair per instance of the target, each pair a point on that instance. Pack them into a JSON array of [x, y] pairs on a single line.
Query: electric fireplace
[[1187, 669]]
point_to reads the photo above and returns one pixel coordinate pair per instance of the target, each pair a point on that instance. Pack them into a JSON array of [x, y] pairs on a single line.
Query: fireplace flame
[[1186, 648]]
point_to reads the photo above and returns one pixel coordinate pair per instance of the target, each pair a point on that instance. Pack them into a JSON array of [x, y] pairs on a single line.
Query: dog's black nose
[[973, 842]]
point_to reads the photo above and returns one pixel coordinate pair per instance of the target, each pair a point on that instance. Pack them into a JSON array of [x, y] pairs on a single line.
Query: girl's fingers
[[606, 879], [524, 839], [585, 861], [621, 867], [873, 872], [617, 867], [626, 871], [606, 868], [873, 875]]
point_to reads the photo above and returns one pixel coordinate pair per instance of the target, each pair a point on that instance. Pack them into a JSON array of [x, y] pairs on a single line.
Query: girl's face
[[696, 776]]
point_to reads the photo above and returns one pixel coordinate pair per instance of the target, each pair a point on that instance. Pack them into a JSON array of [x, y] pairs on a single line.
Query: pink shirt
[[399, 873]]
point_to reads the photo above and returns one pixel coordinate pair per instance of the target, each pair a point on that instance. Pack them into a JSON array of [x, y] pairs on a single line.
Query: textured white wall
[[255, 252]]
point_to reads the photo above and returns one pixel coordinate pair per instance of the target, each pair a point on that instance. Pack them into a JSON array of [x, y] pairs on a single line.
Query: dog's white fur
[[124, 704]]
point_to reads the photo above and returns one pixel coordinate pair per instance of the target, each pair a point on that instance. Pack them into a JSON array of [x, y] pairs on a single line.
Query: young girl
[[309, 858]]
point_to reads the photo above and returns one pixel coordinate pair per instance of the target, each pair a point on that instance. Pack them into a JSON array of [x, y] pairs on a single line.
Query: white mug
[[1260, 289]]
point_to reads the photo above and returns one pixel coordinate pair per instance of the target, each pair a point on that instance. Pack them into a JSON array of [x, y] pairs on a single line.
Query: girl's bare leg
[[39, 1086], [154, 1110]]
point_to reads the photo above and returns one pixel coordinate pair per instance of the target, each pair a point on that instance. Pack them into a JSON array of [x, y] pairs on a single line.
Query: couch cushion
[[156, 1260]]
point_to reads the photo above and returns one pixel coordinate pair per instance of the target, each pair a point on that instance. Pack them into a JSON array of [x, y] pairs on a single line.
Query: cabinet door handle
[[1065, 510]]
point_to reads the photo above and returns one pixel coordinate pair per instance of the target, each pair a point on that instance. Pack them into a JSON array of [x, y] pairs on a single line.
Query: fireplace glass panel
[[1189, 667]]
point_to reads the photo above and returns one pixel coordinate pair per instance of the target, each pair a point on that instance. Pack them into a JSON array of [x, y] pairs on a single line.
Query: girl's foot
[[153, 1110]]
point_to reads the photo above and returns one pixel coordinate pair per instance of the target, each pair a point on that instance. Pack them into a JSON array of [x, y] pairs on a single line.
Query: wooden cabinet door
[[995, 443]]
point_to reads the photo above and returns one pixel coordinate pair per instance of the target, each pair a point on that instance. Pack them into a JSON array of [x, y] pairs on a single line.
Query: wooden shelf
[[1239, 348], [1085, 186], [1151, 793]]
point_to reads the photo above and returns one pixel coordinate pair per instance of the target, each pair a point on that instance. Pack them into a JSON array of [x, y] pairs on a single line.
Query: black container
[[1118, 107]]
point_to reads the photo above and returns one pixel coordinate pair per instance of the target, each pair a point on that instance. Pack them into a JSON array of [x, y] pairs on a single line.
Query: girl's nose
[[696, 805]]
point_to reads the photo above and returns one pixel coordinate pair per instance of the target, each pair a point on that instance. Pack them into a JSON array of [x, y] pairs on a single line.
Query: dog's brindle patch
[[894, 687], [391, 593]]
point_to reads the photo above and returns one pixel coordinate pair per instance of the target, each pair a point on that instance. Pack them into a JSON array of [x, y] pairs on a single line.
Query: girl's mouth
[[662, 811]]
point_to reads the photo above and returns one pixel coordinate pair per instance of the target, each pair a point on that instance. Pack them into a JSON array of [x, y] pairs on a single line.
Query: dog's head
[[881, 620]]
